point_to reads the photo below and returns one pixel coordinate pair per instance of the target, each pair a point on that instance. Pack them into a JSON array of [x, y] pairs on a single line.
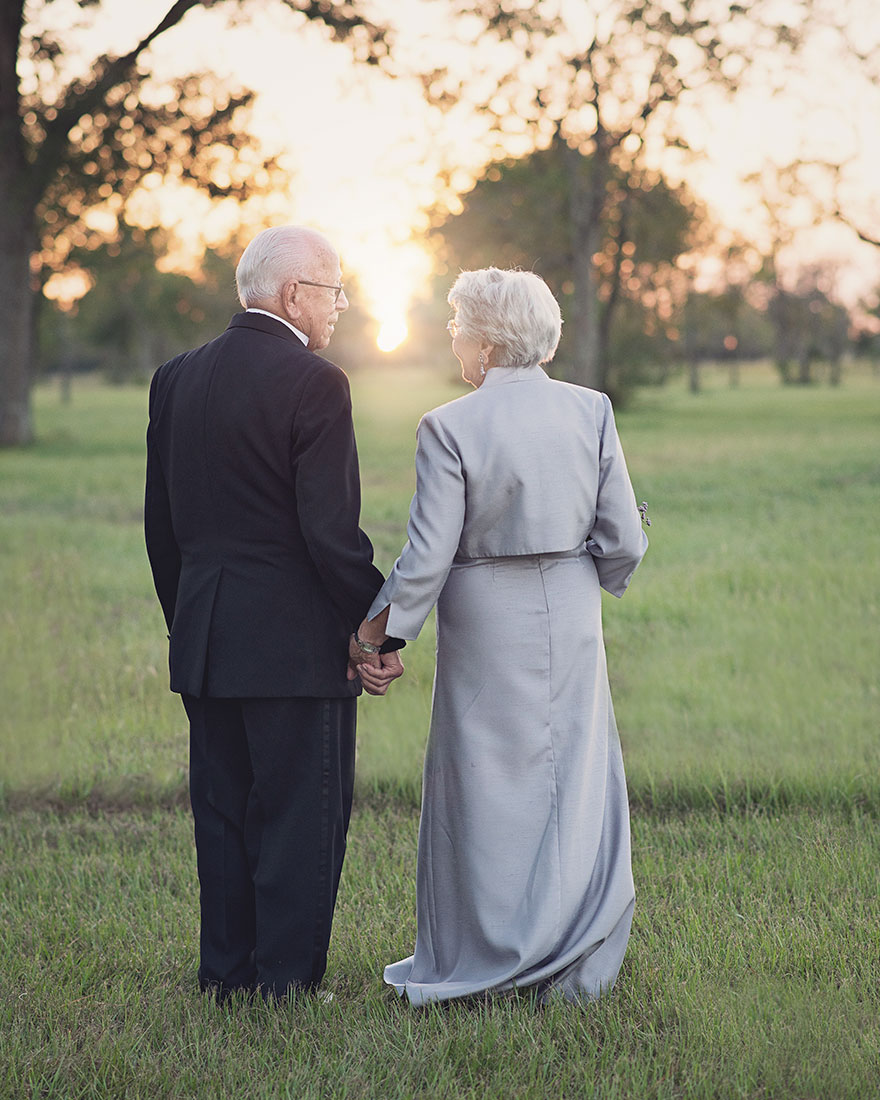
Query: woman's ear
[[487, 349]]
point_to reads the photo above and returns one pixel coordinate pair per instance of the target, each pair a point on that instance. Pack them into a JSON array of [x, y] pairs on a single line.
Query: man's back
[[252, 525], [251, 444]]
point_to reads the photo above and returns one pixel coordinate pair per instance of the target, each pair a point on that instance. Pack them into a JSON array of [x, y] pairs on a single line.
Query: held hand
[[376, 678], [392, 664], [368, 666], [375, 669], [358, 656]]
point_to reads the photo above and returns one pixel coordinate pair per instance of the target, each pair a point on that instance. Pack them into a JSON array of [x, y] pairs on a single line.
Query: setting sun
[[392, 333]]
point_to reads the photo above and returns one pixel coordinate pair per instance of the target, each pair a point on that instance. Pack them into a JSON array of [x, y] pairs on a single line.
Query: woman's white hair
[[275, 256], [513, 310]]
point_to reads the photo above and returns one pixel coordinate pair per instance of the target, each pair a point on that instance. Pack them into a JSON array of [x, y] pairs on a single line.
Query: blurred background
[[696, 180]]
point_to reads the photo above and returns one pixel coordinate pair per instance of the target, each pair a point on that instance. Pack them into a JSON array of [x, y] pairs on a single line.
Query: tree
[[68, 149], [864, 222], [866, 341], [135, 316], [518, 215], [607, 77], [799, 299], [723, 325], [808, 325], [857, 222]]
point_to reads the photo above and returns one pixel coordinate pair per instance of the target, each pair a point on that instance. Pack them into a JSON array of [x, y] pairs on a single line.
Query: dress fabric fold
[[524, 875]]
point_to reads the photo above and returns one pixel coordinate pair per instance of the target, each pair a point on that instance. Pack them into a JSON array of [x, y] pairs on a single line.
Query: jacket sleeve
[[617, 541], [436, 518], [328, 500], [162, 548]]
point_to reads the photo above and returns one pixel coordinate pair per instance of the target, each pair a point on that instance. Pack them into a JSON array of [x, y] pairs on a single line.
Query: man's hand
[[376, 670], [376, 680], [358, 657]]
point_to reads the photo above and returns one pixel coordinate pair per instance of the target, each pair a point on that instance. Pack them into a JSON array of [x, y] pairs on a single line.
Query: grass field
[[744, 666]]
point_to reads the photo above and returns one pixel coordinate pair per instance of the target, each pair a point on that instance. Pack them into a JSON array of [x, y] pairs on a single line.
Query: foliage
[[518, 215], [808, 324], [69, 148], [723, 325], [608, 79], [136, 316], [867, 337], [93, 142]]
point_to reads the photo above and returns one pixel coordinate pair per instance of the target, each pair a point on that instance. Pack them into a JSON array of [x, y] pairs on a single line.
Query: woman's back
[[541, 469], [530, 451]]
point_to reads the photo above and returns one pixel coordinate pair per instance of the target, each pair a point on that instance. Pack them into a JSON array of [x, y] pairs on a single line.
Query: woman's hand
[[376, 670]]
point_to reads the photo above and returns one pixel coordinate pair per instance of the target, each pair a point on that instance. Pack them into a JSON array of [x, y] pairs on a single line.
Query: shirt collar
[[293, 328]]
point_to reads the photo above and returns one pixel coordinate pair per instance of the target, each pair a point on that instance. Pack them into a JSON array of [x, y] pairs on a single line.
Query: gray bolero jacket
[[523, 465]]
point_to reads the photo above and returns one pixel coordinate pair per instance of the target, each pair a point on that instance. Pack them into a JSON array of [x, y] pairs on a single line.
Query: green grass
[[743, 664], [747, 649], [753, 971], [743, 659]]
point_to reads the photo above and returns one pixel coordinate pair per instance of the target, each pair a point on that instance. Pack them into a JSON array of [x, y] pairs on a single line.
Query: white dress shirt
[[293, 328]]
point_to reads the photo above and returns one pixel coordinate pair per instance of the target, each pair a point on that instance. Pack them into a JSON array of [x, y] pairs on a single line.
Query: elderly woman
[[523, 509]]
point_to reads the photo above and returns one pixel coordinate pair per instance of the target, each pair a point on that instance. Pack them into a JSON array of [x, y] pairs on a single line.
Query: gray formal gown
[[523, 509]]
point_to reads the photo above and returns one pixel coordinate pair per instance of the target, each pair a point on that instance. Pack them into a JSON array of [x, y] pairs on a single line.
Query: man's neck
[[293, 328]]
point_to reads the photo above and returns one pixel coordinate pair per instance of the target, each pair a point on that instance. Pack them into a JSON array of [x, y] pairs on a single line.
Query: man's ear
[[288, 300]]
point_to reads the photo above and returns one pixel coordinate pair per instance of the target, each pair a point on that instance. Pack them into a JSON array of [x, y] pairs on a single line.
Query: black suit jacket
[[252, 516]]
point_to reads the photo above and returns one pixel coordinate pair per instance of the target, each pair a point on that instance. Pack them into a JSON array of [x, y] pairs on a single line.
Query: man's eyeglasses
[[338, 287]]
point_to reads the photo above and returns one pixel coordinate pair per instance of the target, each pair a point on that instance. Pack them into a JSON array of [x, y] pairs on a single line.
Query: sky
[[364, 152]]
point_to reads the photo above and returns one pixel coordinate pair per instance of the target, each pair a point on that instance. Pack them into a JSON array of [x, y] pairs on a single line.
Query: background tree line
[[585, 204], [654, 319]]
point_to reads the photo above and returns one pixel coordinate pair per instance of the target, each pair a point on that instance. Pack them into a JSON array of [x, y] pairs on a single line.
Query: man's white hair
[[275, 256], [515, 311]]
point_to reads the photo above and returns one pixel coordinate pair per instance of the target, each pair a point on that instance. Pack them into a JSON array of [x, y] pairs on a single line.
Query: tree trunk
[[608, 309], [65, 369], [694, 374], [16, 332], [586, 205], [16, 245], [805, 364]]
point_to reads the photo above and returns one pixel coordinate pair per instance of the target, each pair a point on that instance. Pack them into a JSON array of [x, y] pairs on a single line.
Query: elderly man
[[252, 530]]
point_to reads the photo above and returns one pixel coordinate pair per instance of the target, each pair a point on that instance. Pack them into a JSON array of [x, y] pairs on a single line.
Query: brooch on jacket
[[643, 512]]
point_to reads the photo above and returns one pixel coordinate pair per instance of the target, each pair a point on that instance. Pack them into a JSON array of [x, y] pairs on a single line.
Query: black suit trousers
[[271, 785]]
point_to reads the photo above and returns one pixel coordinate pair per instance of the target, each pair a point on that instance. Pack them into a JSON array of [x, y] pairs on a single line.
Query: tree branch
[[81, 98], [838, 214]]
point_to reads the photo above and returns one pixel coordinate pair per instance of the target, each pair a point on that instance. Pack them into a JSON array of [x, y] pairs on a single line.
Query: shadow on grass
[[665, 798]]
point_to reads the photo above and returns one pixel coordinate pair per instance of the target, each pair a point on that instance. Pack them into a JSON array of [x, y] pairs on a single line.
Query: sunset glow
[[392, 333], [364, 158]]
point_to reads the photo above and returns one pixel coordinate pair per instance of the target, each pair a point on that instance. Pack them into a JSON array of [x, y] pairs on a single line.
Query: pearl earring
[[482, 365]]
